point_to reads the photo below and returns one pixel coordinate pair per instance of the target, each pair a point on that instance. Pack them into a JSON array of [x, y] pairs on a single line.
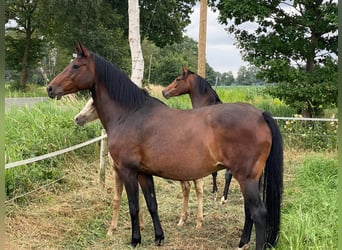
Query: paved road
[[22, 101]]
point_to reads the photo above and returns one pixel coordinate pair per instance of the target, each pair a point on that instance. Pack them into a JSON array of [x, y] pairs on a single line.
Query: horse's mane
[[120, 87], [204, 86]]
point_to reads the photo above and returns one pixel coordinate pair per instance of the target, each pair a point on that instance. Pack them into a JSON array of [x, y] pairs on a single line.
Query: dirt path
[[22, 101]]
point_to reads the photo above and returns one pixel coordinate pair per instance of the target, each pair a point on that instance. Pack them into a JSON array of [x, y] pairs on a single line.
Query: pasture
[[74, 212]]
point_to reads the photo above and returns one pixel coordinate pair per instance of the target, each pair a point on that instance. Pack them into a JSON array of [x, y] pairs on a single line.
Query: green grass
[[309, 217], [43, 128]]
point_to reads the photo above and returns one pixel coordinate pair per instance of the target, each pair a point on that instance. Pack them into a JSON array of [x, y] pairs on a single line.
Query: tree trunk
[[202, 38], [24, 70], [134, 42]]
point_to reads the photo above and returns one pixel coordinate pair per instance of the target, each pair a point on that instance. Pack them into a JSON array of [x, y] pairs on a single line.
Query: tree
[[246, 76], [91, 22], [292, 38], [161, 22], [24, 14], [135, 42], [227, 78]]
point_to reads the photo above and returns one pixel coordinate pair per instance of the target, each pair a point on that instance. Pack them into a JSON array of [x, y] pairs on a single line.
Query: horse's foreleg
[[130, 180], [228, 177], [118, 187], [185, 191], [215, 189], [253, 202], [199, 193], [147, 186]]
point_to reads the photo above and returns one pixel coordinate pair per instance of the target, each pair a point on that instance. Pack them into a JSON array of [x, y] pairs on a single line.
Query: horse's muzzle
[[166, 94], [52, 94]]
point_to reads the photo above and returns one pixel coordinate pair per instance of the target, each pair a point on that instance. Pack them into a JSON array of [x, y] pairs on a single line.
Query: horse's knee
[[185, 187]]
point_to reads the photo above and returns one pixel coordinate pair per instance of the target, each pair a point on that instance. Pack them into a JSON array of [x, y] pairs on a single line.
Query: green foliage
[[247, 76], [288, 46], [15, 46], [309, 93], [226, 78], [165, 64], [92, 24], [41, 129], [310, 211], [161, 22]]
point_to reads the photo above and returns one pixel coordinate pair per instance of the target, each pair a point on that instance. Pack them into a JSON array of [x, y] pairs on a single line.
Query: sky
[[222, 55]]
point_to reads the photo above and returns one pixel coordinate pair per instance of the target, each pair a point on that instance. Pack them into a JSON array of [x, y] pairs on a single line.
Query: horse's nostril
[[49, 88]]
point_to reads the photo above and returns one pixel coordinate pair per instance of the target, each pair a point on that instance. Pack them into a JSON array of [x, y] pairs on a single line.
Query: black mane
[[204, 86], [120, 87]]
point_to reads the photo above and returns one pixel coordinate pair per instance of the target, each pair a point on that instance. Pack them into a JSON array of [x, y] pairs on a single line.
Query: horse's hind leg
[[257, 210], [147, 186], [247, 229], [199, 193], [228, 177], [185, 191]]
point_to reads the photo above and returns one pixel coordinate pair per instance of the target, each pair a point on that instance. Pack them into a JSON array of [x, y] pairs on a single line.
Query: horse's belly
[[182, 167]]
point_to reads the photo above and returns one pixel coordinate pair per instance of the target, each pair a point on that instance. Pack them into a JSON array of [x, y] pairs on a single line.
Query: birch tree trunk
[[134, 42]]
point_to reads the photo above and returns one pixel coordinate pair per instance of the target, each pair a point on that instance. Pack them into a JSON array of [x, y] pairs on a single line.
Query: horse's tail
[[273, 182]]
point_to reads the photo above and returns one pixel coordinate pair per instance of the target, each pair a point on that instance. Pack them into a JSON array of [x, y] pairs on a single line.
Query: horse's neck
[[109, 112], [199, 100]]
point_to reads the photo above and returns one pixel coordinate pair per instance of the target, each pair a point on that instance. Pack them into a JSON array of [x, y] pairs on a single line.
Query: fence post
[[103, 153]]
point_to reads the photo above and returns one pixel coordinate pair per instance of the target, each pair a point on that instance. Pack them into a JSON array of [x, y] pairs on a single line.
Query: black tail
[[273, 182]]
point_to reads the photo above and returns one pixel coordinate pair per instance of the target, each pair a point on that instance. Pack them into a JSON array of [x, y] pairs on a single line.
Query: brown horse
[[89, 114], [201, 94], [148, 138]]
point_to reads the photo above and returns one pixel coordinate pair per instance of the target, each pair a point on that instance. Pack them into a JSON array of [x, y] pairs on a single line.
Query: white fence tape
[[306, 119], [49, 155]]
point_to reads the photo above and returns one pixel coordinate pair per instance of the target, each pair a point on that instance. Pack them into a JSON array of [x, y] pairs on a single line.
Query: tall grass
[[309, 217], [43, 128]]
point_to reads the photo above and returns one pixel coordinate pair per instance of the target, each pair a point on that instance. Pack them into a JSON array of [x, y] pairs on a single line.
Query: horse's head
[[87, 114], [78, 75], [181, 85]]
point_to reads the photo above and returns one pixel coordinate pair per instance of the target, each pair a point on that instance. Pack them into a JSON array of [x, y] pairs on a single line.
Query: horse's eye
[[75, 66]]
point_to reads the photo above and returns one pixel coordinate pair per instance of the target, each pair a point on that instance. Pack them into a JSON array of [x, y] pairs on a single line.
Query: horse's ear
[[81, 50], [185, 69]]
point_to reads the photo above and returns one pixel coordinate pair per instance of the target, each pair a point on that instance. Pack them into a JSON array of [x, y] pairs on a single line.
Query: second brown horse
[[201, 94]]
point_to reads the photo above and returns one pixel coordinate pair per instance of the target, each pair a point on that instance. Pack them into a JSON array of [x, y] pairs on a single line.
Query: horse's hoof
[[180, 223], [223, 200], [135, 243], [244, 247], [110, 232], [160, 241]]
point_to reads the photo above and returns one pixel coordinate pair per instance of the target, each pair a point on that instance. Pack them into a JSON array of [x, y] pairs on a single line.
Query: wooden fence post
[[103, 153]]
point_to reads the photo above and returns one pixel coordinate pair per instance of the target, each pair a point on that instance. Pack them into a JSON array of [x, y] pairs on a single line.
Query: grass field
[[74, 212]]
